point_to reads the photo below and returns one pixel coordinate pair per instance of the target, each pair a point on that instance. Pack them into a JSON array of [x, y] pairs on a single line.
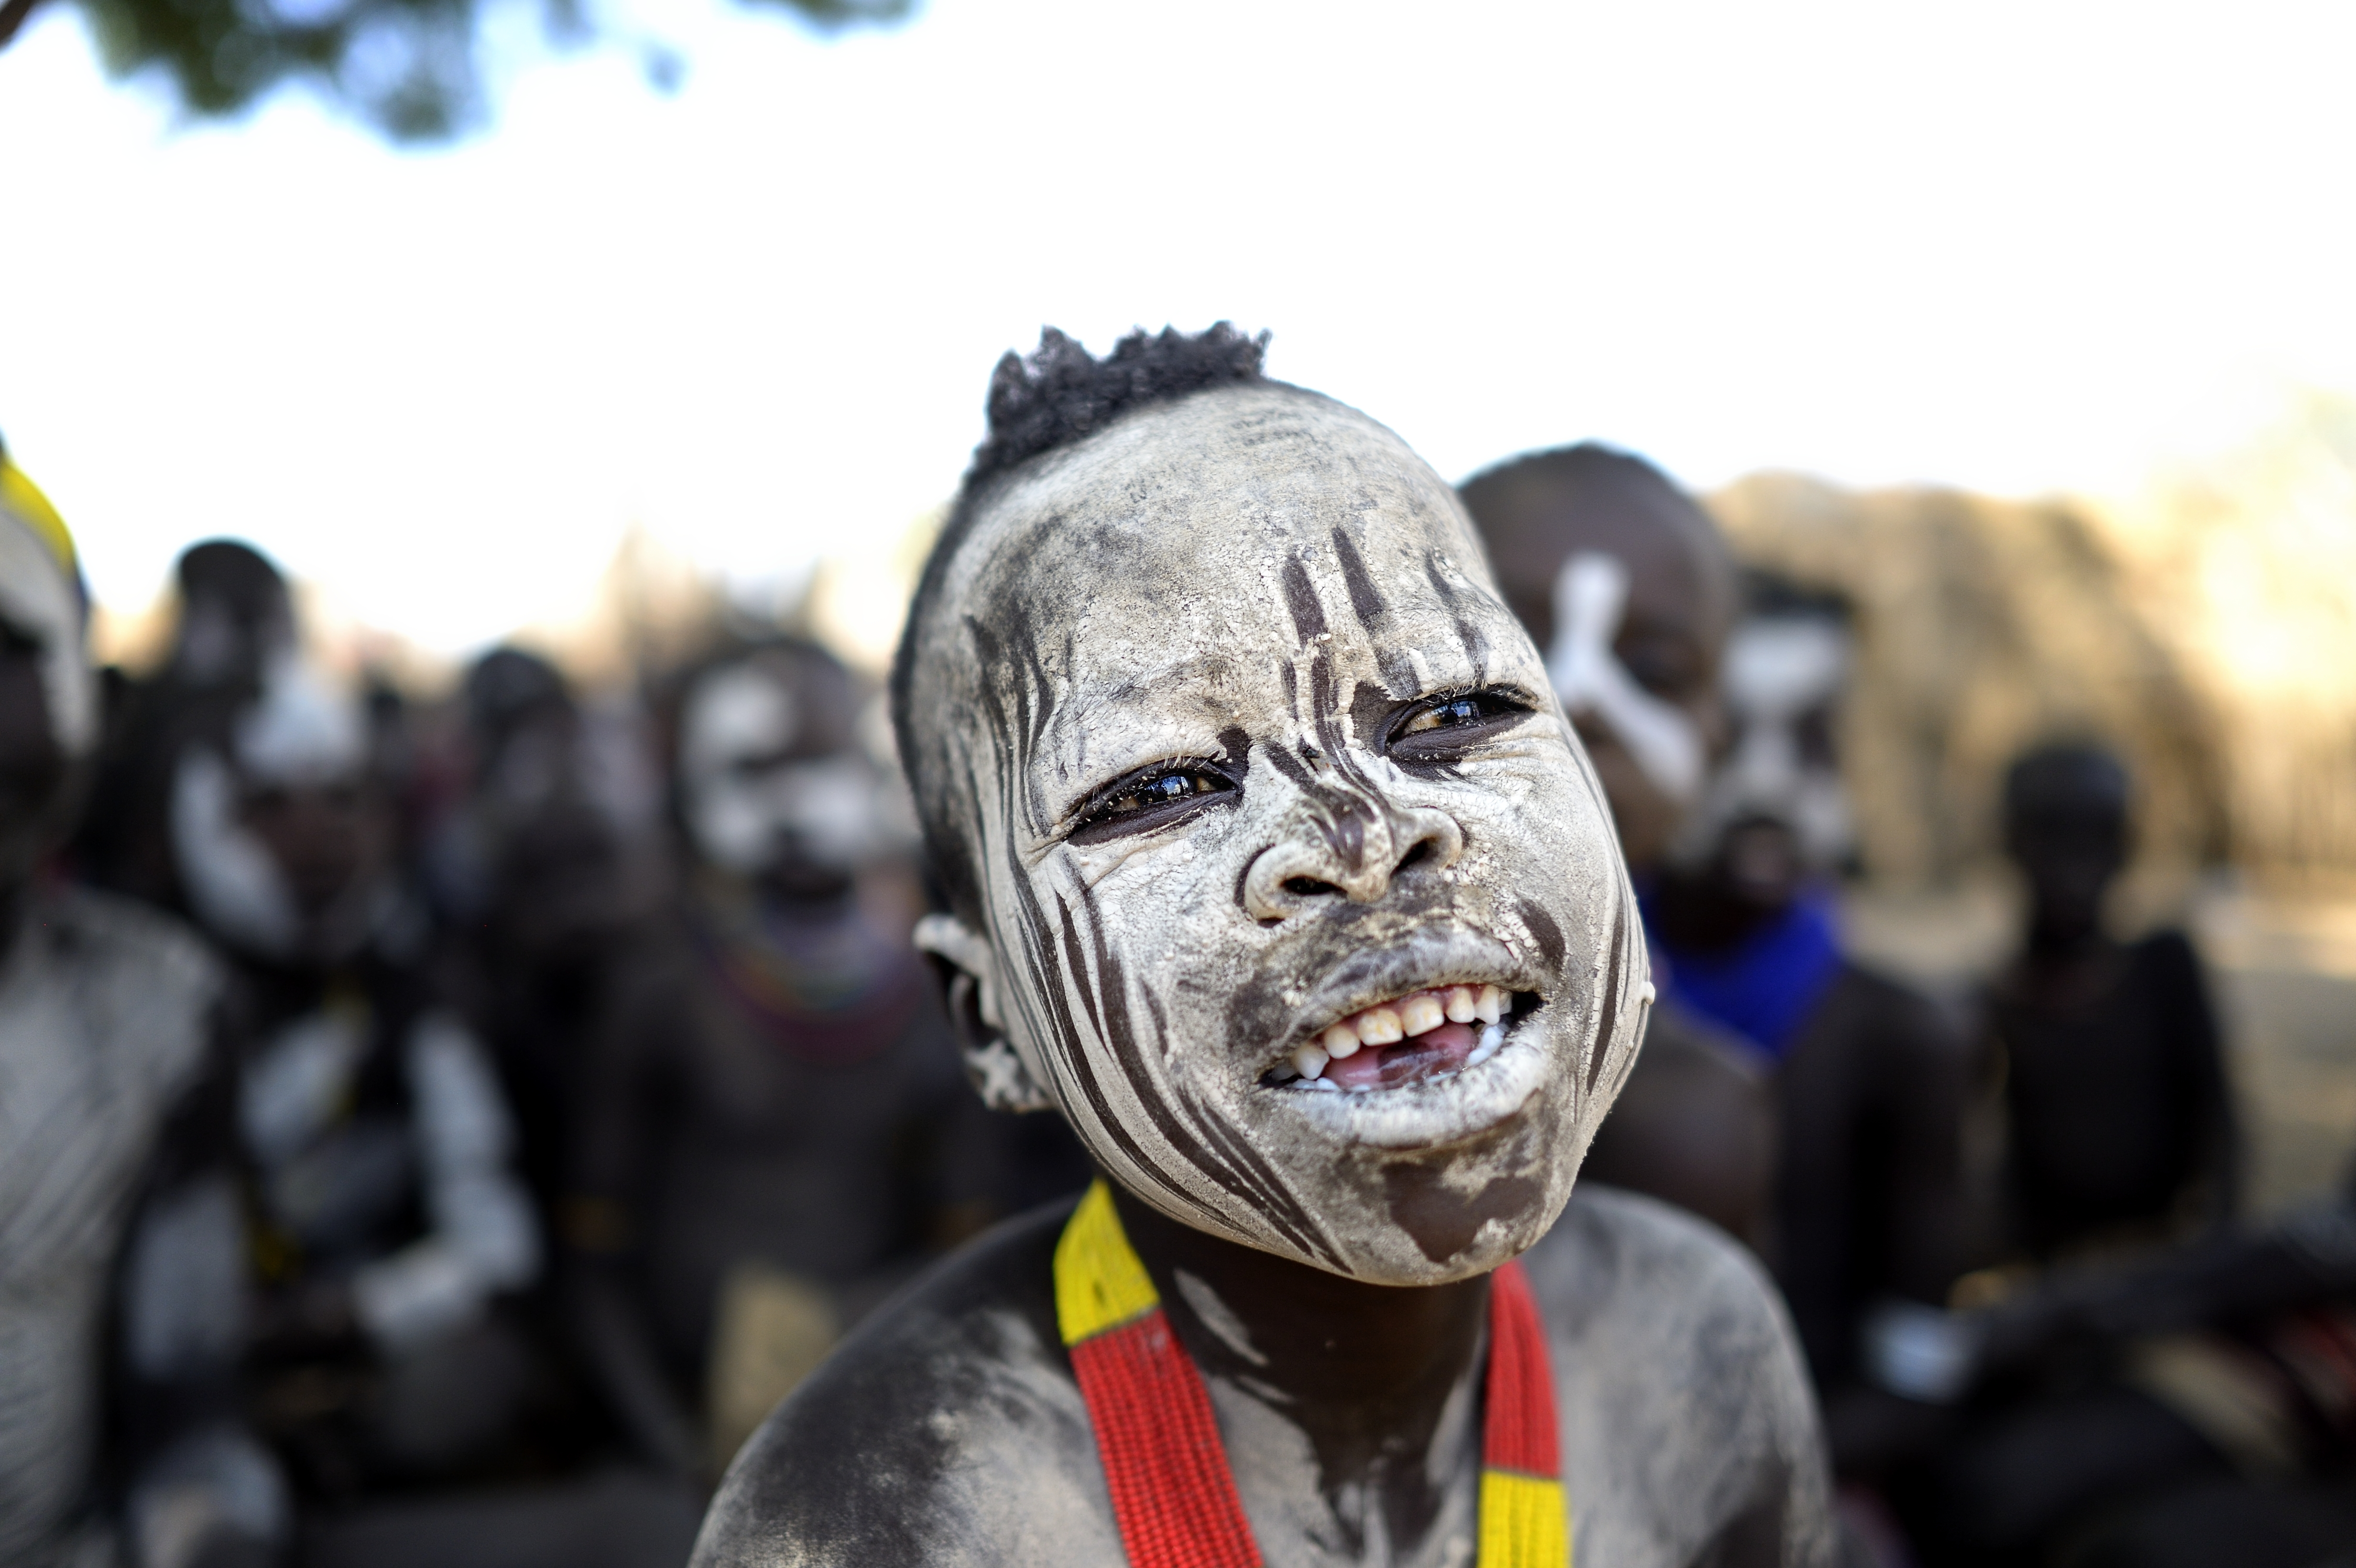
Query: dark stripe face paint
[[1255, 593]]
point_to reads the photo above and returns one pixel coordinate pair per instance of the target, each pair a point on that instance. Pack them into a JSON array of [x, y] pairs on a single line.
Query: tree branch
[[12, 16]]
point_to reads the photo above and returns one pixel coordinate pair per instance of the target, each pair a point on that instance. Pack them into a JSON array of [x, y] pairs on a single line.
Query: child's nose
[[1356, 854]]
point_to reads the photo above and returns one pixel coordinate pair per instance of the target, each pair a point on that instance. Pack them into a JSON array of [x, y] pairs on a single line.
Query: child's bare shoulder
[[946, 1429], [1687, 1422]]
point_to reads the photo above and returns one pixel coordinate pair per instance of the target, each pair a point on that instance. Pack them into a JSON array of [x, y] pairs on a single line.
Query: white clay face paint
[[301, 732], [1591, 598], [38, 600], [742, 803], [1780, 672], [230, 876], [1267, 580], [830, 805], [734, 715]]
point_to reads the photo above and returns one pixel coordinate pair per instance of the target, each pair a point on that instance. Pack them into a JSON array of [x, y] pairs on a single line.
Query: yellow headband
[[23, 498]]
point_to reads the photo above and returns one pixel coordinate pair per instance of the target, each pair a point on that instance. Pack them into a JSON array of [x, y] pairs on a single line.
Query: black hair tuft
[[1060, 393], [1056, 394]]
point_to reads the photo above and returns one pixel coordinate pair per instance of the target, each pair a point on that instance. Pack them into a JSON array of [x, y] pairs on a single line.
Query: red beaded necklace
[[1174, 1494]]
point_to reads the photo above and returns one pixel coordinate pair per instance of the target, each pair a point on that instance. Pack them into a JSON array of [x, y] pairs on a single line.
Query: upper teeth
[[1418, 1012]]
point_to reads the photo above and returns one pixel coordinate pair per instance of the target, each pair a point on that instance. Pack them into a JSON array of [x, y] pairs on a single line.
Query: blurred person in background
[[122, 1247], [235, 620], [774, 1125], [2189, 1406], [534, 872], [1626, 586], [2119, 1141], [392, 1224], [1869, 1078], [2119, 1128]]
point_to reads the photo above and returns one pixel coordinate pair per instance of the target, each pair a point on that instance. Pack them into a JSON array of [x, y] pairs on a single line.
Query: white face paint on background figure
[[38, 600], [301, 733], [230, 879], [1591, 597], [1784, 674], [1248, 757], [745, 799]]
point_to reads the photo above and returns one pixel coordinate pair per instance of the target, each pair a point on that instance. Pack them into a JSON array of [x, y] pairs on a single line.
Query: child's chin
[[1395, 1257], [1441, 1225]]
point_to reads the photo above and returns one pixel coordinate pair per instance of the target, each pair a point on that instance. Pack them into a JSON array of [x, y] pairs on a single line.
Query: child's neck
[[1364, 1370]]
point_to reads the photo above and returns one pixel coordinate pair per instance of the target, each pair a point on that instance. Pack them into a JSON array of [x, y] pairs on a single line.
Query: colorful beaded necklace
[[1174, 1494]]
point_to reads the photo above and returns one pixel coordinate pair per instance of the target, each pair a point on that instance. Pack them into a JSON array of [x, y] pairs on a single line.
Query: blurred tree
[[406, 67]]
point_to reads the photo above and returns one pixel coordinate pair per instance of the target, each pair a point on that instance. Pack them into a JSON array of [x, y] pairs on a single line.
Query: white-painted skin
[[1219, 1319], [743, 801], [483, 1239], [1779, 671], [1688, 1433], [102, 1027], [302, 732], [232, 882], [1591, 597], [38, 598], [1196, 584]]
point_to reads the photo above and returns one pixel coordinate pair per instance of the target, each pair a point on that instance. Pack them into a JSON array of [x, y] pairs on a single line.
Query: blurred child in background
[[393, 1221], [769, 1130], [122, 1238], [1868, 1077], [2120, 1130]]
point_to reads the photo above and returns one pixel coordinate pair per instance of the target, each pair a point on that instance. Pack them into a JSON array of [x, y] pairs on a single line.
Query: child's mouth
[[1419, 1038]]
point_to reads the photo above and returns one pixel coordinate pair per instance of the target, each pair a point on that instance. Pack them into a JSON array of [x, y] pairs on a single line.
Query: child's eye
[[1450, 723], [1150, 797], [1445, 715]]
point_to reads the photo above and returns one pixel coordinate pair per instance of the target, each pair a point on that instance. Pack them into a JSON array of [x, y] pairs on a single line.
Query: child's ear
[[969, 968]]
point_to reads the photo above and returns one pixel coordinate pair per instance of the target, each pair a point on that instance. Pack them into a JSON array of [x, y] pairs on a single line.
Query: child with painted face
[[769, 1125], [1627, 585], [2120, 1120], [235, 621], [1275, 869], [1869, 1080], [395, 1232], [122, 1247], [536, 875]]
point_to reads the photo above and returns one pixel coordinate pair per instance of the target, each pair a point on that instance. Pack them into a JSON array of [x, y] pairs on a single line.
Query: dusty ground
[[2285, 971]]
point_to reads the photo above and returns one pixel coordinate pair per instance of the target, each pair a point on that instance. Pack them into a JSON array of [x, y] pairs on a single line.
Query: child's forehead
[[1241, 510]]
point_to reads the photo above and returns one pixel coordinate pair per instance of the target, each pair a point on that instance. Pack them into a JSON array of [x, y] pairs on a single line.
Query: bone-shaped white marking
[[1591, 597]]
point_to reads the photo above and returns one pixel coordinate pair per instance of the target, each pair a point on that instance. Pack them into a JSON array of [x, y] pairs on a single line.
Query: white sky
[[2017, 246]]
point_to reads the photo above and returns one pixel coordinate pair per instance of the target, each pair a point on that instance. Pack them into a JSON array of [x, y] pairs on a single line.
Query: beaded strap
[[1173, 1493]]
